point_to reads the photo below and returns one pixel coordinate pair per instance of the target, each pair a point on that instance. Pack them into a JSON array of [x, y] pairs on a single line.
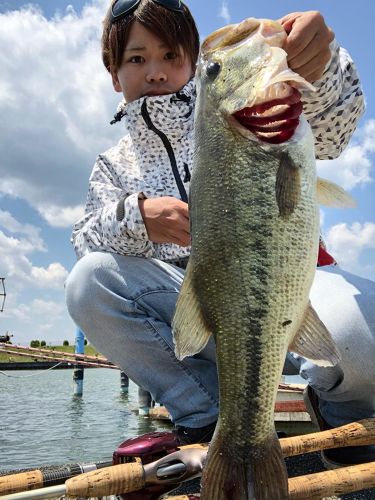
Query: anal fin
[[190, 331], [314, 342]]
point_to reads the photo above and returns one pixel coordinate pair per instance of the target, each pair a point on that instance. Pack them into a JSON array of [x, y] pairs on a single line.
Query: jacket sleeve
[[112, 220], [335, 109]]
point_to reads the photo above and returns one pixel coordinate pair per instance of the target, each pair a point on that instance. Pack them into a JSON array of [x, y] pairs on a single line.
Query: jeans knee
[[83, 286]]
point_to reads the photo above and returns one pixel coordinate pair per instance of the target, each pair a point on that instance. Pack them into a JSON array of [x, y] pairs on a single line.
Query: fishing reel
[[148, 449]]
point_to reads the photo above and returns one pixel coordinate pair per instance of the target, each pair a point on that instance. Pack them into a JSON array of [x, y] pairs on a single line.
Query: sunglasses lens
[[123, 7], [171, 4]]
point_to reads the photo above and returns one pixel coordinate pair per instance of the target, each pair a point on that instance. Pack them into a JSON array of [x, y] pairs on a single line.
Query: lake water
[[42, 423]]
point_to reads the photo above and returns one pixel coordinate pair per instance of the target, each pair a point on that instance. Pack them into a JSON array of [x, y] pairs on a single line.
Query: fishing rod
[[43, 479], [63, 360], [84, 357], [172, 469], [312, 486], [188, 462]]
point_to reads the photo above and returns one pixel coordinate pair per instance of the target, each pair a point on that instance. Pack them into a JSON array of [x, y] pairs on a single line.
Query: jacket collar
[[164, 110]]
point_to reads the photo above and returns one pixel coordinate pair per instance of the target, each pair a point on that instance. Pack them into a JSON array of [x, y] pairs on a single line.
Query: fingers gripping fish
[[255, 232]]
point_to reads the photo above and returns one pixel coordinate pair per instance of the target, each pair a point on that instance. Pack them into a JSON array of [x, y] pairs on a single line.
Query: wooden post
[[144, 402], [124, 382]]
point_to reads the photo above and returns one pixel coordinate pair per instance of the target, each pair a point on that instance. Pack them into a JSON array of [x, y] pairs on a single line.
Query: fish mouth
[[274, 121]]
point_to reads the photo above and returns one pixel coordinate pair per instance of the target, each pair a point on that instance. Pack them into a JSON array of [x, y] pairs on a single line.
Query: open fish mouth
[[274, 121], [262, 94]]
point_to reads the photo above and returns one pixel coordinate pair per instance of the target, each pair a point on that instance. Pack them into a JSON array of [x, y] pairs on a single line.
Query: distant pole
[[2, 294], [124, 382], [78, 371]]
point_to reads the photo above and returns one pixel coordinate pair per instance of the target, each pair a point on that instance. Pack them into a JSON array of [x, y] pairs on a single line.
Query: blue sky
[[56, 102]]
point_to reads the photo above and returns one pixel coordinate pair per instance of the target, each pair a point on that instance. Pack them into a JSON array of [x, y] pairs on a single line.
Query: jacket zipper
[[168, 147]]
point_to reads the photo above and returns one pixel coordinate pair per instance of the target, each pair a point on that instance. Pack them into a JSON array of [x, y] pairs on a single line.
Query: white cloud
[[47, 307], [353, 245], [353, 167], [56, 101], [18, 268], [368, 135], [51, 277], [61, 217], [22, 312], [44, 319], [38, 309], [35, 301], [10, 224], [224, 12], [11, 245], [15, 263], [347, 243]]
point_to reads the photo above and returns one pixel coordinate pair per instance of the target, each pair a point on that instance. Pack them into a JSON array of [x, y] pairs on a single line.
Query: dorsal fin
[[332, 195]]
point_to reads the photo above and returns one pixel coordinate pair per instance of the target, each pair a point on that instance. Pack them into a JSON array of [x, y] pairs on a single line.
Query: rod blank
[[39, 494]]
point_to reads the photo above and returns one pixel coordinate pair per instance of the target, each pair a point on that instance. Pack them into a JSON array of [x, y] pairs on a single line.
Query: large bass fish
[[255, 232]]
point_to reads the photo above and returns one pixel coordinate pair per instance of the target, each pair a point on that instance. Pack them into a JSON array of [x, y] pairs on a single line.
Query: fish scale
[[255, 232], [253, 307]]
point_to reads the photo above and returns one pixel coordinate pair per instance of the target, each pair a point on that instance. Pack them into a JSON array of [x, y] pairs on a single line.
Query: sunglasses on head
[[121, 8]]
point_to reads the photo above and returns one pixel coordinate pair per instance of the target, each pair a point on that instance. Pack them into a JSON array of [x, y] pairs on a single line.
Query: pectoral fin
[[313, 341], [190, 331], [288, 185], [332, 195]]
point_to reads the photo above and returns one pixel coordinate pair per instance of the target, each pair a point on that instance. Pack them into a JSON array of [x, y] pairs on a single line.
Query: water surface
[[42, 422]]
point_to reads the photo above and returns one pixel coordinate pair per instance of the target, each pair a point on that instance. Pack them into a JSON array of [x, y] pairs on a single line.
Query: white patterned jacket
[[154, 158]]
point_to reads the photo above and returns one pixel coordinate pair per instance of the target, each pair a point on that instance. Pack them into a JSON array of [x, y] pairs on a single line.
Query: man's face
[[149, 67]]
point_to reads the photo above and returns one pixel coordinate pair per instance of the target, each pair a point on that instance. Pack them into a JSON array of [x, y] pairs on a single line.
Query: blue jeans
[[125, 306]]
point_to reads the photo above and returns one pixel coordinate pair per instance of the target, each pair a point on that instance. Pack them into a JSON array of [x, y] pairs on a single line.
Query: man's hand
[[166, 220], [307, 44]]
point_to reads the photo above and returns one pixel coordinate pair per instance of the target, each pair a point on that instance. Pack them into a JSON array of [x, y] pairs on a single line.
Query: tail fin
[[262, 476]]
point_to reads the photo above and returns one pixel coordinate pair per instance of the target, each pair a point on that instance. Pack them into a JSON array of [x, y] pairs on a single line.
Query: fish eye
[[213, 69]]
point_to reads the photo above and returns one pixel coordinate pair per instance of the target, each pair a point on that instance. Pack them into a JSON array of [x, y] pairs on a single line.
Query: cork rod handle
[[113, 480], [355, 434]]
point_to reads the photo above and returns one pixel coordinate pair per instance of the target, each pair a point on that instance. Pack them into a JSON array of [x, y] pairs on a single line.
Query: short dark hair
[[175, 29]]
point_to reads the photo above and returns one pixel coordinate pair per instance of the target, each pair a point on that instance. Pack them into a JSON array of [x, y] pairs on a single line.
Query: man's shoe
[[190, 435], [312, 405], [336, 457]]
